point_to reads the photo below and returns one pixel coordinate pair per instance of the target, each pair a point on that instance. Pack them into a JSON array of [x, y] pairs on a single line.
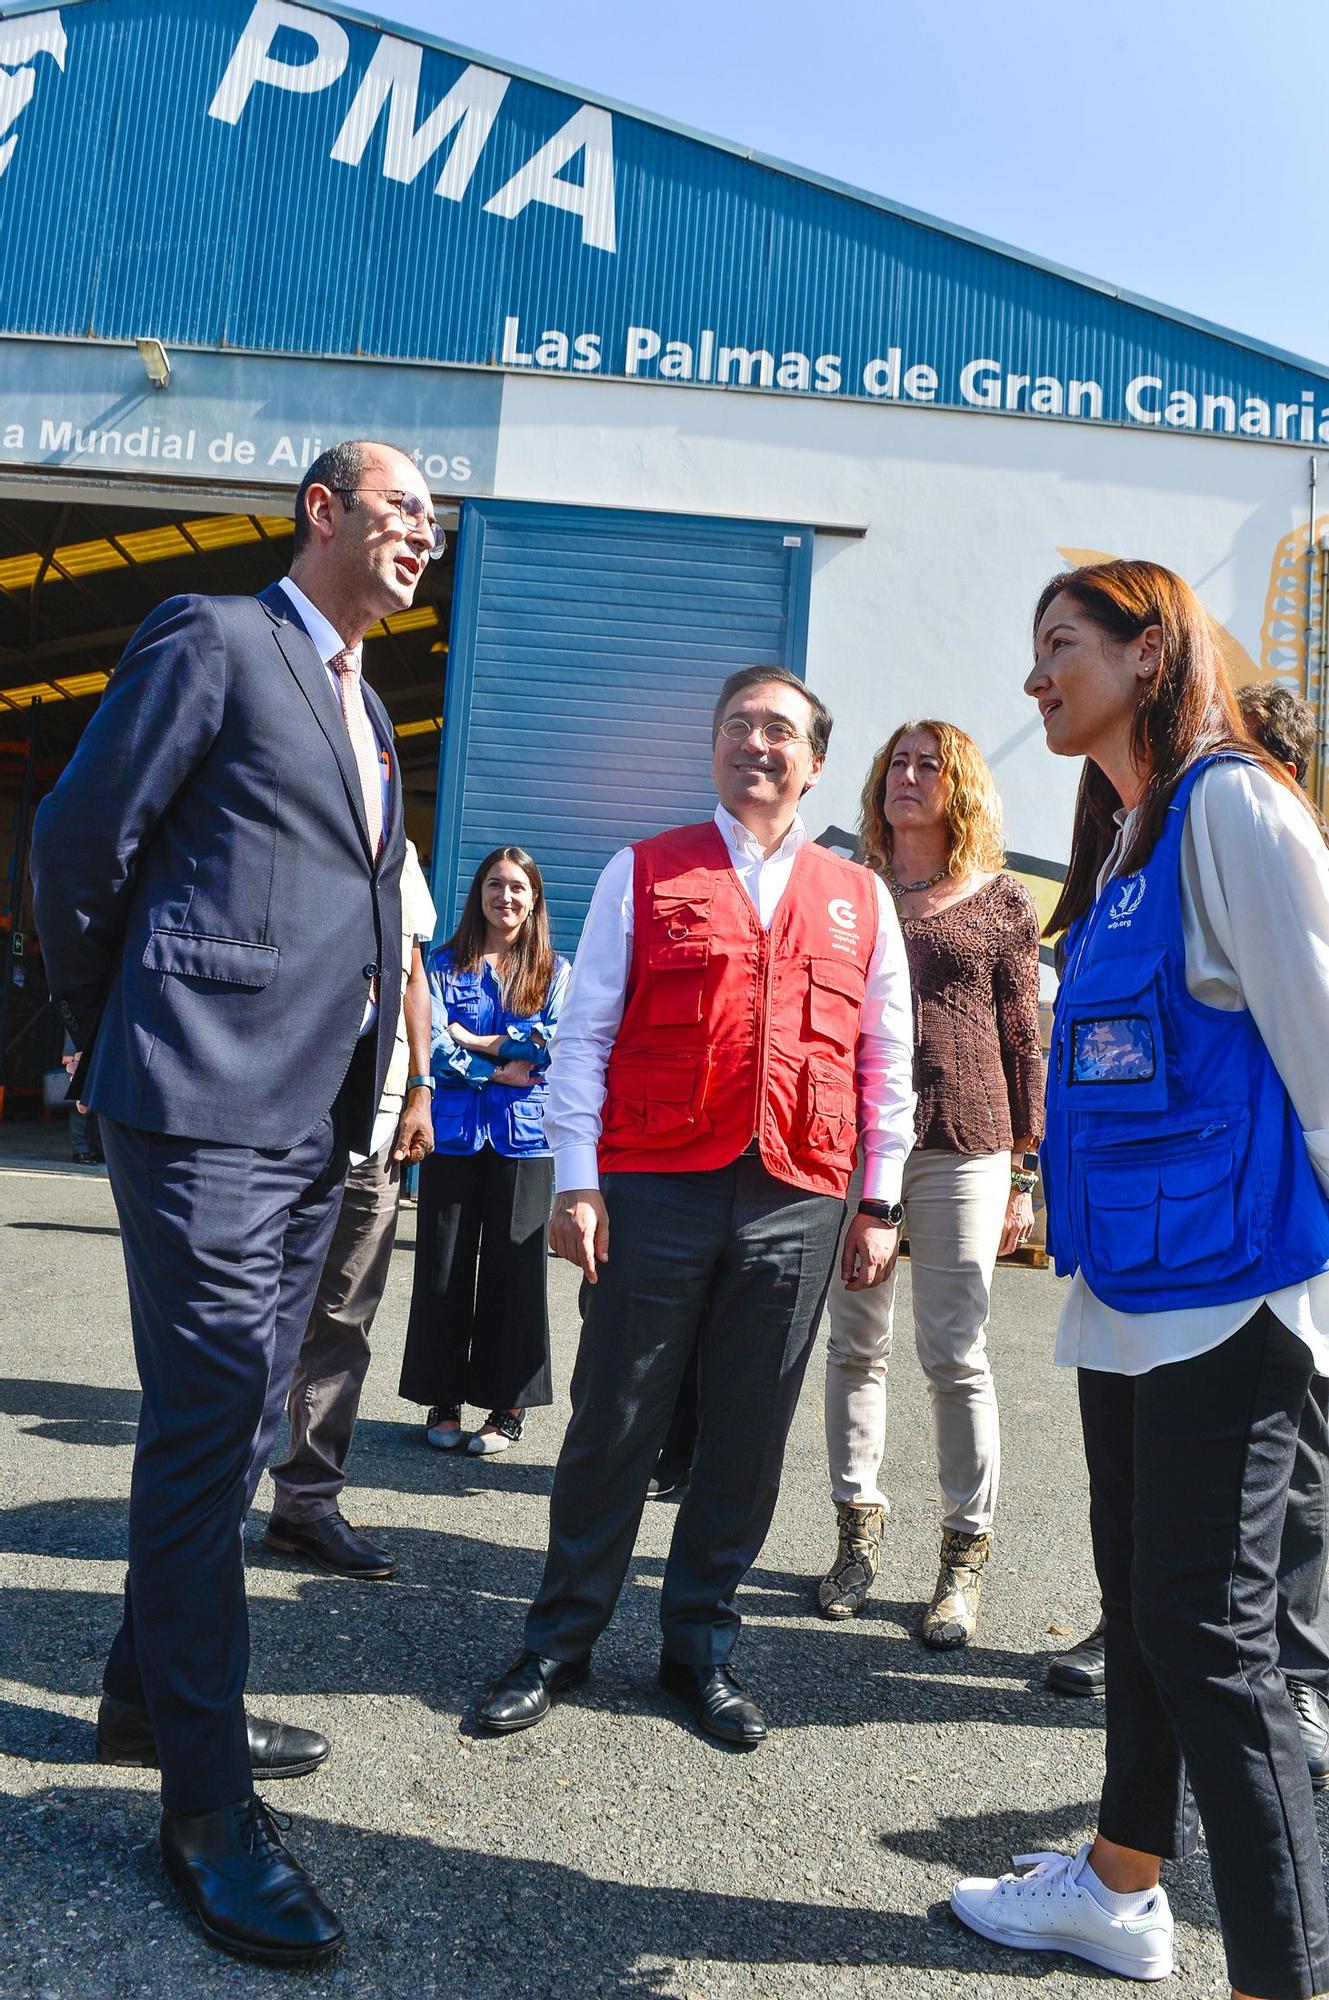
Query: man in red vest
[[738, 1007]]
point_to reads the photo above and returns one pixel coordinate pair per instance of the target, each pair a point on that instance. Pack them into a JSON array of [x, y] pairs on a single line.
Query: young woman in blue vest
[[479, 1326], [1185, 1167]]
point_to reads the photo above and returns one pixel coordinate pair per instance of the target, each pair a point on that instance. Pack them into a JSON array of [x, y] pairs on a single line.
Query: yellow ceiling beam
[[144, 545]]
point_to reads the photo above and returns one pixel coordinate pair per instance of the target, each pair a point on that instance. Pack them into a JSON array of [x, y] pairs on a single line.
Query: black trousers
[[1303, 1567], [738, 1264], [223, 1248], [1189, 1468], [479, 1326]]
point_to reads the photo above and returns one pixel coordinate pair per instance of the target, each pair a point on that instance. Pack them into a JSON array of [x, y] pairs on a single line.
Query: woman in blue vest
[[1185, 1167], [479, 1325]]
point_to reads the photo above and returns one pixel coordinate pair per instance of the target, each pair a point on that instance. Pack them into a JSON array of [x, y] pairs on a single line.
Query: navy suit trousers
[[223, 1249], [734, 1264]]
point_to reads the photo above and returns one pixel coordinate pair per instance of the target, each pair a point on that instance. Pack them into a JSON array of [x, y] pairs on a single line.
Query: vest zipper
[[766, 968]]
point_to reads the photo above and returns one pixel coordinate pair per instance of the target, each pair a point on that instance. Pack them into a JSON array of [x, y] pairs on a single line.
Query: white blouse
[[1255, 914]]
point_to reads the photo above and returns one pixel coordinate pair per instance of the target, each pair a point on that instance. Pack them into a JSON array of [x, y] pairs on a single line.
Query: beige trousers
[[955, 1204]]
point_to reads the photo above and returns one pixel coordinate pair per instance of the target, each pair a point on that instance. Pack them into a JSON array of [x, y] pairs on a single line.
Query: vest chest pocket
[[835, 1000], [1147, 1209], [461, 1000], [676, 975], [1110, 1054]]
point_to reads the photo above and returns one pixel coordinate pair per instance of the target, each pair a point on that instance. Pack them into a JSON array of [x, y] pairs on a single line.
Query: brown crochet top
[[978, 1068]]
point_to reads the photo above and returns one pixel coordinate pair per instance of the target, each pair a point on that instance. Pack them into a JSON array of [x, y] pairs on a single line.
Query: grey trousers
[[1303, 1585], [738, 1263], [334, 1355]]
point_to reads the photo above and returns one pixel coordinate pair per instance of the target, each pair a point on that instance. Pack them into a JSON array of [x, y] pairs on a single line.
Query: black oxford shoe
[[718, 1700], [331, 1543], [1082, 1670], [246, 1888], [524, 1694], [276, 1749], [1313, 1722]]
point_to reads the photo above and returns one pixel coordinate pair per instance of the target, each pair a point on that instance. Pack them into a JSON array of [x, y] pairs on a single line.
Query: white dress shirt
[[1255, 913], [597, 991], [329, 643], [419, 920]]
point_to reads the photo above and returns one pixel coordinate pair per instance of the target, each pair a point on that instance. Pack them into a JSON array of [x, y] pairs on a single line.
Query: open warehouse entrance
[[80, 567]]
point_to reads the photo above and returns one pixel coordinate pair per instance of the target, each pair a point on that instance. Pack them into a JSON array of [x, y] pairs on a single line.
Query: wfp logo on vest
[[21, 42], [1126, 902], [465, 116]]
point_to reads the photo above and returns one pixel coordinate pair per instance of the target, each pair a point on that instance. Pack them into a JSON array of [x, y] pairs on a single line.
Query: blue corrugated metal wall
[[587, 651], [132, 203]]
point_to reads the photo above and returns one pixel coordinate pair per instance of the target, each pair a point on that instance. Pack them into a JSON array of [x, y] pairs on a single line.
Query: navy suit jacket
[[209, 910]]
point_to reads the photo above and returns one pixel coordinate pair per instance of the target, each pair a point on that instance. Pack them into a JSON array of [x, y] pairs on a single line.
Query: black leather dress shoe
[[1313, 1722], [1082, 1670], [331, 1543], [524, 1694], [246, 1888], [718, 1699], [276, 1749]]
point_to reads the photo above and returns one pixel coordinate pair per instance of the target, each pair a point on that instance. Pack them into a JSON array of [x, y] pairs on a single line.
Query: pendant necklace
[[899, 889]]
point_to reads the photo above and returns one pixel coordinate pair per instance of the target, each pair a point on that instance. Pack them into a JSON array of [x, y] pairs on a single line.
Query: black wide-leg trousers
[[478, 1331], [223, 1246], [1189, 1468], [738, 1264], [1303, 1569]]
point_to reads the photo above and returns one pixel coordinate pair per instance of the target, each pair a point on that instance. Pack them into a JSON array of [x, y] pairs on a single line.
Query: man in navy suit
[[217, 880]]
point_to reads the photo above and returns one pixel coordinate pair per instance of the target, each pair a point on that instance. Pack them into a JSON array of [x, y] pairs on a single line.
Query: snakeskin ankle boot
[[952, 1617], [845, 1586]]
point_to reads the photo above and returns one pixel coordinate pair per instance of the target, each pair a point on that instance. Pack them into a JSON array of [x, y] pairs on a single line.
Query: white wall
[[966, 515]]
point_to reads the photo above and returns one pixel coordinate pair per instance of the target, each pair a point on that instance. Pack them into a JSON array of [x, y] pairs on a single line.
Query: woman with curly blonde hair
[[931, 827]]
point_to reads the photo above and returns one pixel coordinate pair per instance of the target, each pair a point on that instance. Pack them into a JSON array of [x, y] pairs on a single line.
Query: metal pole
[[1310, 580], [1322, 688], [16, 881]]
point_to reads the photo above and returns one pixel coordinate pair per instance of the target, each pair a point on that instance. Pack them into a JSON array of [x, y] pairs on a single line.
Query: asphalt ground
[[613, 1850]]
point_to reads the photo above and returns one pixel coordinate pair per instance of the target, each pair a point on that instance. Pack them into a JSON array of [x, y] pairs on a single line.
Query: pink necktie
[[346, 666]]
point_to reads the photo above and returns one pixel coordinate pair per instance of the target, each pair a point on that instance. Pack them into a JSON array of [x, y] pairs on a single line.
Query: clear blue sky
[[1173, 147]]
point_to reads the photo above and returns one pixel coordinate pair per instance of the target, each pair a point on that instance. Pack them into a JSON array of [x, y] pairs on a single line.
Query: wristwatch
[[420, 1083], [889, 1212]]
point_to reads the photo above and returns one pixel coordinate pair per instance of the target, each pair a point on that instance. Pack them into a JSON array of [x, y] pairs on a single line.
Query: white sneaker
[[1050, 1910]]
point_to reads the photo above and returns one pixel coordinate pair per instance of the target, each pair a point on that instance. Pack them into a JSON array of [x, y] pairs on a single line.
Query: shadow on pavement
[[396, 1457], [44, 1735], [71, 1412], [422, 1915], [68, 1228]]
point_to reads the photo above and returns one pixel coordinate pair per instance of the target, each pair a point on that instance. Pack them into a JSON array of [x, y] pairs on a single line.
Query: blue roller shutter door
[[587, 651]]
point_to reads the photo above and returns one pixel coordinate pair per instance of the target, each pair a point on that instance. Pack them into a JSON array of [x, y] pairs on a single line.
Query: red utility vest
[[730, 1031]]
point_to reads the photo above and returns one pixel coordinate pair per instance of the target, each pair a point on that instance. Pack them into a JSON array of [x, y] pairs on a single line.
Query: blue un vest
[[465, 1119], [1175, 1166]]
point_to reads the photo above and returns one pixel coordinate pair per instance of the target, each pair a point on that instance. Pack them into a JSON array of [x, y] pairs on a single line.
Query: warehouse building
[[682, 409]]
